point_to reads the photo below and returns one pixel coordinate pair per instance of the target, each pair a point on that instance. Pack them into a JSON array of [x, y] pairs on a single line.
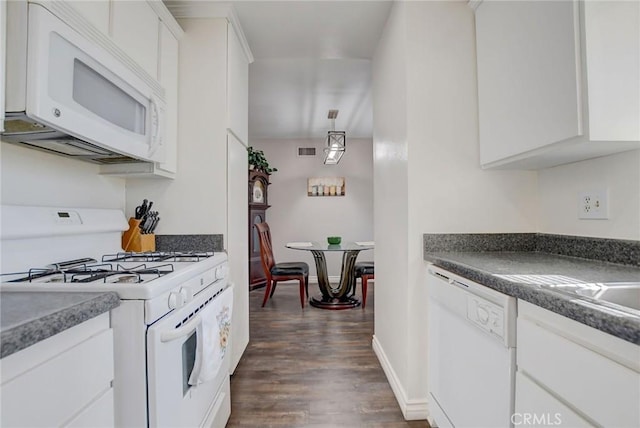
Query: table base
[[335, 303]]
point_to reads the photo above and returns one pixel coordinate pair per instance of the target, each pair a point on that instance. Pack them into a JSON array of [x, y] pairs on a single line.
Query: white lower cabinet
[[535, 406], [98, 413], [3, 29], [571, 375], [64, 380]]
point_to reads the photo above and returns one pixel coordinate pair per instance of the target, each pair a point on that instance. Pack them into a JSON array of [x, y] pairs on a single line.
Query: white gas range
[[166, 372]]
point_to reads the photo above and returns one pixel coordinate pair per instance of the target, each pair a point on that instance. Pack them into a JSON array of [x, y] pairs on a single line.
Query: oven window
[[188, 360], [98, 95]]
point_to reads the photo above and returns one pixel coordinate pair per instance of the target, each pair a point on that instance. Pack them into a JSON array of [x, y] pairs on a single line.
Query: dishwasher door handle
[[439, 275], [447, 279], [459, 284]]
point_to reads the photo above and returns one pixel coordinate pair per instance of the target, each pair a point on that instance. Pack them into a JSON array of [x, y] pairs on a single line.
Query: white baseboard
[[411, 409]]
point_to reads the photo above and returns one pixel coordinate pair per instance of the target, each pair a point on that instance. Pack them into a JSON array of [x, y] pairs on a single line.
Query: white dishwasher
[[472, 351]]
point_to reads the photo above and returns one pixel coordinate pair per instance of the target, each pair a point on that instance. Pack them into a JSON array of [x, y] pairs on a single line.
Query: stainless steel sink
[[625, 294]]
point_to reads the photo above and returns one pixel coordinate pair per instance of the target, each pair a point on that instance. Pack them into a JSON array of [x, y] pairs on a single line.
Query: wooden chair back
[[266, 248]]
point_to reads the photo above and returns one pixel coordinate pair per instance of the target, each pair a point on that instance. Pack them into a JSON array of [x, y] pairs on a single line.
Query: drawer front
[[99, 414], [50, 394], [606, 391], [536, 407]]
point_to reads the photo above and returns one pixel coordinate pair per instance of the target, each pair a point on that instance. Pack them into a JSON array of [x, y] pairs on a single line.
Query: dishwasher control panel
[[486, 315]]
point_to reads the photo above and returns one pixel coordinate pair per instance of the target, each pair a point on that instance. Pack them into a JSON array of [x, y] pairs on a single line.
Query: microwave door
[[80, 88]]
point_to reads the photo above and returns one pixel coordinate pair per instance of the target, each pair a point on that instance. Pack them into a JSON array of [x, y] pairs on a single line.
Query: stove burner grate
[[174, 256], [102, 271]]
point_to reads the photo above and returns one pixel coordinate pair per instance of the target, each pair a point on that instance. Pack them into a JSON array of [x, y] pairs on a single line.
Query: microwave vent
[[306, 151], [114, 160]]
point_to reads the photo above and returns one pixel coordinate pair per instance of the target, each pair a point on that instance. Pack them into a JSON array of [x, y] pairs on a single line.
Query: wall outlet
[[593, 205]]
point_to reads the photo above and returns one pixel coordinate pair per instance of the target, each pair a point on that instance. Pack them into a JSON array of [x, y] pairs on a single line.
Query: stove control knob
[[176, 300], [187, 294]]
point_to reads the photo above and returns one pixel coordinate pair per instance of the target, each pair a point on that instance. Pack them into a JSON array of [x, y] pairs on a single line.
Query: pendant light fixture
[[336, 142]]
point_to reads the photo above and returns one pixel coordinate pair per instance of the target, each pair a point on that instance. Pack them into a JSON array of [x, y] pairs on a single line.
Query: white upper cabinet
[[168, 76], [237, 87], [161, 40], [95, 11], [612, 32], [134, 28], [557, 81]]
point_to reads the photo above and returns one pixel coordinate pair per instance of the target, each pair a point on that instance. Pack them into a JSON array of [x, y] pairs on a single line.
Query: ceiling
[[310, 57]]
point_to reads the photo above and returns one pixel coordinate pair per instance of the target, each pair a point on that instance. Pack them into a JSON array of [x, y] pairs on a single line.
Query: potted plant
[[258, 161]]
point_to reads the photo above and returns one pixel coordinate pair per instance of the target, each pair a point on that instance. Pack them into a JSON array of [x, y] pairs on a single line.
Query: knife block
[[134, 241]]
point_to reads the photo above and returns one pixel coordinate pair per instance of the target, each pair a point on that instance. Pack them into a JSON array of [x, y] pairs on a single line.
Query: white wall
[[294, 216], [559, 188], [30, 177], [195, 202], [447, 192], [391, 201]]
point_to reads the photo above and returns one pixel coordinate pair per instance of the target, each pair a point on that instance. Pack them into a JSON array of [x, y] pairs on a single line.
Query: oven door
[[172, 347]]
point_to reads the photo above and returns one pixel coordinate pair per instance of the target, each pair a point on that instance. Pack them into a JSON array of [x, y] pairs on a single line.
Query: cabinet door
[[168, 77], [95, 11], [237, 244], [612, 40], [98, 414], [135, 31], [528, 75], [75, 375], [593, 384], [3, 30], [237, 87], [536, 407]]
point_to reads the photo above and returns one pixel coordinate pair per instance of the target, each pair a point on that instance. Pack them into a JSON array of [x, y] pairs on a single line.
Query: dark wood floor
[[311, 368]]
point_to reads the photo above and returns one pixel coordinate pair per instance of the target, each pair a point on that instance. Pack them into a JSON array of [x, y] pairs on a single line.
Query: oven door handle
[[176, 333]]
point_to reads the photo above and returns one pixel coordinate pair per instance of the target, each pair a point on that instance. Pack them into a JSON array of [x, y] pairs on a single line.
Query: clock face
[[258, 192]]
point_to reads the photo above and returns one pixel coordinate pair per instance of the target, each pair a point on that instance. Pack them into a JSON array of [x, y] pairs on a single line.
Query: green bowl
[[334, 240]]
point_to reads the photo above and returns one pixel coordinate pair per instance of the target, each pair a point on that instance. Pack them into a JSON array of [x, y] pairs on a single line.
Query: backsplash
[[190, 242], [619, 251], [59, 182], [436, 242]]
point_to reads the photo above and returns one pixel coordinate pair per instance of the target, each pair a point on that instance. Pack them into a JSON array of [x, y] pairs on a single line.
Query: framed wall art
[[326, 186]]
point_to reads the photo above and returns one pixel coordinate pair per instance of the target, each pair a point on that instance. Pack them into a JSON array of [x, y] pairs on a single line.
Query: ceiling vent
[[306, 151]]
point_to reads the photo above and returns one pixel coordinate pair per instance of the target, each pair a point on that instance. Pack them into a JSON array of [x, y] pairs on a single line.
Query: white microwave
[[69, 91]]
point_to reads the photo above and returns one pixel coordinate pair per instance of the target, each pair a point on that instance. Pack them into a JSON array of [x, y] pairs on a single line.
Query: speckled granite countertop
[[522, 274], [27, 318]]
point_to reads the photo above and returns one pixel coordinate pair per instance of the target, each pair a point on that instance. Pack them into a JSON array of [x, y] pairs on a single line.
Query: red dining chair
[[365, 271], [288, 271]]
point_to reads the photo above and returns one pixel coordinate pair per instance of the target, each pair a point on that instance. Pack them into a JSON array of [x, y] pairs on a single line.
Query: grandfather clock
[[258, 205]]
